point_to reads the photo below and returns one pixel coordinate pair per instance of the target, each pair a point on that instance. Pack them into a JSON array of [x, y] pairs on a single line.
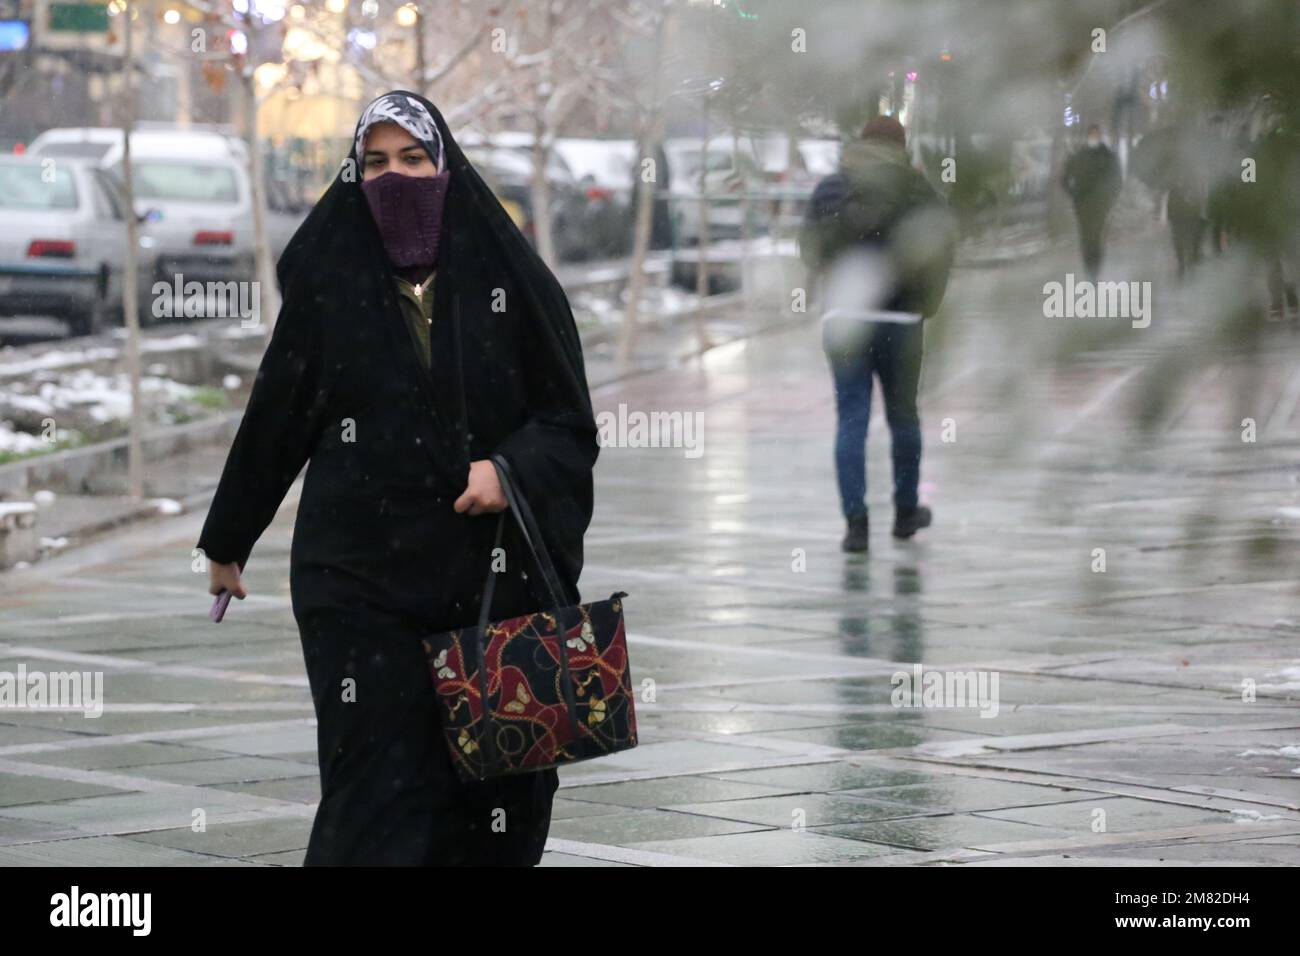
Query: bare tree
[[649, 18], [131, 266], [554, 63]]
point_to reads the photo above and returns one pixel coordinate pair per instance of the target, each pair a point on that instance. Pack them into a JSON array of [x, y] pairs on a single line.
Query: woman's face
[[389, 148]]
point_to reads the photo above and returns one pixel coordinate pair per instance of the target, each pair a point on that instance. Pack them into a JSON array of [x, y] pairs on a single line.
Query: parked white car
[[791, 176], [192, 190], [62, 242], [723, 171]]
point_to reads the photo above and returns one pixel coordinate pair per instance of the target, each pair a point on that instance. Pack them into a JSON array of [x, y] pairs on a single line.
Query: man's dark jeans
[[1092, 230], [892, 352]]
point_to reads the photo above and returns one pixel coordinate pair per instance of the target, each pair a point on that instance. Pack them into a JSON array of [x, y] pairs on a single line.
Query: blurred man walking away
[[1185, 208], [879, 243], [1093, 179], [1271, 213]]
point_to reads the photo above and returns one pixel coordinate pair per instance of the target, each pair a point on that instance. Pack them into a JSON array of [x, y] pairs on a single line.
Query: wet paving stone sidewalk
[[1144, 713]]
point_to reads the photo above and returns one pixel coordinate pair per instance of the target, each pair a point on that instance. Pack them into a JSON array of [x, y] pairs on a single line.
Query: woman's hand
[[225, 576], [483, 494]]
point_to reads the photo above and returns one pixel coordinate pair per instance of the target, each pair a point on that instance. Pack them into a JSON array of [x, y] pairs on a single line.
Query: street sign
[[79, 17], [59, 25]]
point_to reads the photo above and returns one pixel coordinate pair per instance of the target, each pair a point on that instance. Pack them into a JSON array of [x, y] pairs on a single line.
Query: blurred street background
[[1116, 497]]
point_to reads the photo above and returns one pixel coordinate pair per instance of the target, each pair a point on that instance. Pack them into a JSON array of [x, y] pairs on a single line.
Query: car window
[[75, 150], [508, 161], [558, 170], [38, 186], [184, 181], [106, 197], [688, 160]]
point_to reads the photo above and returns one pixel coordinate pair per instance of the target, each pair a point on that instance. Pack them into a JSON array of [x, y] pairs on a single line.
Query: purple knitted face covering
[[408, 212]]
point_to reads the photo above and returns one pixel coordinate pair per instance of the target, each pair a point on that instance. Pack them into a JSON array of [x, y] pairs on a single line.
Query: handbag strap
[[489, 739], [529, 528], [537, 548]]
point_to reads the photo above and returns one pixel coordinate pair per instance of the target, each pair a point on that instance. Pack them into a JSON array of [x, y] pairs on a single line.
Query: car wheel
[[92, 321], [94, 318]]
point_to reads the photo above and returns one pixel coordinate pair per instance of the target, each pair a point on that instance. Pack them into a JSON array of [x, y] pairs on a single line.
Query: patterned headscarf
[[408, 113]]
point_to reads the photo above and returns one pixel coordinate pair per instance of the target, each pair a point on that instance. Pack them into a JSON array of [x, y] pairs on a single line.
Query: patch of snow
[[1253, 816], [57, 358], [173, 343], [19, 442], [167, 506], [1287, 674], [1292, 751], [240, 331], [107, 398], [31, 403]]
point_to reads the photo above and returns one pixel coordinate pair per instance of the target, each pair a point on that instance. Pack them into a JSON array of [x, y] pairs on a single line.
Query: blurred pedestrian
[[1272, 207], [879, 243], [1224, 154], [1093, 179], [399, 388], [1185, 208]]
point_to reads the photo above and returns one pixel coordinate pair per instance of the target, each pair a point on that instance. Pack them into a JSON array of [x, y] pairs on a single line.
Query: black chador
[[379, 556]]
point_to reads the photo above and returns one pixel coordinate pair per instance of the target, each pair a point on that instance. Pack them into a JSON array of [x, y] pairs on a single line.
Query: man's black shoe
[[855, 539], [909, 522]]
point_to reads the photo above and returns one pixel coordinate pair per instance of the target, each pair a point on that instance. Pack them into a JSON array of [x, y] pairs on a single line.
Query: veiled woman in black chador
[[420, 335]]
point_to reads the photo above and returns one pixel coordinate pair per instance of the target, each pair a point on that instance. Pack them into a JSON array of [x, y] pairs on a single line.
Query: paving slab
[[778, 847], [235, 840], [628, 827]]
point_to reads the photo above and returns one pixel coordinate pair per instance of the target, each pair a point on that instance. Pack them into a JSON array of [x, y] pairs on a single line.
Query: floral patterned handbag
[[535, 691]]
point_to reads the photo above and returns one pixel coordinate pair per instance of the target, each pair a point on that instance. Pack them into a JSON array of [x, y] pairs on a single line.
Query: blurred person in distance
[[1093, 179]]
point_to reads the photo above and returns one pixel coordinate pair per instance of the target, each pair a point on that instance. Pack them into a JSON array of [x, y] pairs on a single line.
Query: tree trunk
[[542, 150], [542, 195], [131, 271], [420, 67], [268, 297], [746, 288], [640, 243], [651, 132], [702, 259]]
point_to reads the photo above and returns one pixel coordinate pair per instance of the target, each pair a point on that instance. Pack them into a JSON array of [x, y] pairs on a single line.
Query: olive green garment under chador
[[416, 302]]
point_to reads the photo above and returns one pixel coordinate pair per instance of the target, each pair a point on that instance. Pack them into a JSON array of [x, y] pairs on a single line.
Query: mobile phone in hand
[[219, 606]]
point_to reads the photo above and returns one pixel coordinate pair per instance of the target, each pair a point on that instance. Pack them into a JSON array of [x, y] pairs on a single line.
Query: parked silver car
[[62, 243], [193, 193], [723, 172]]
